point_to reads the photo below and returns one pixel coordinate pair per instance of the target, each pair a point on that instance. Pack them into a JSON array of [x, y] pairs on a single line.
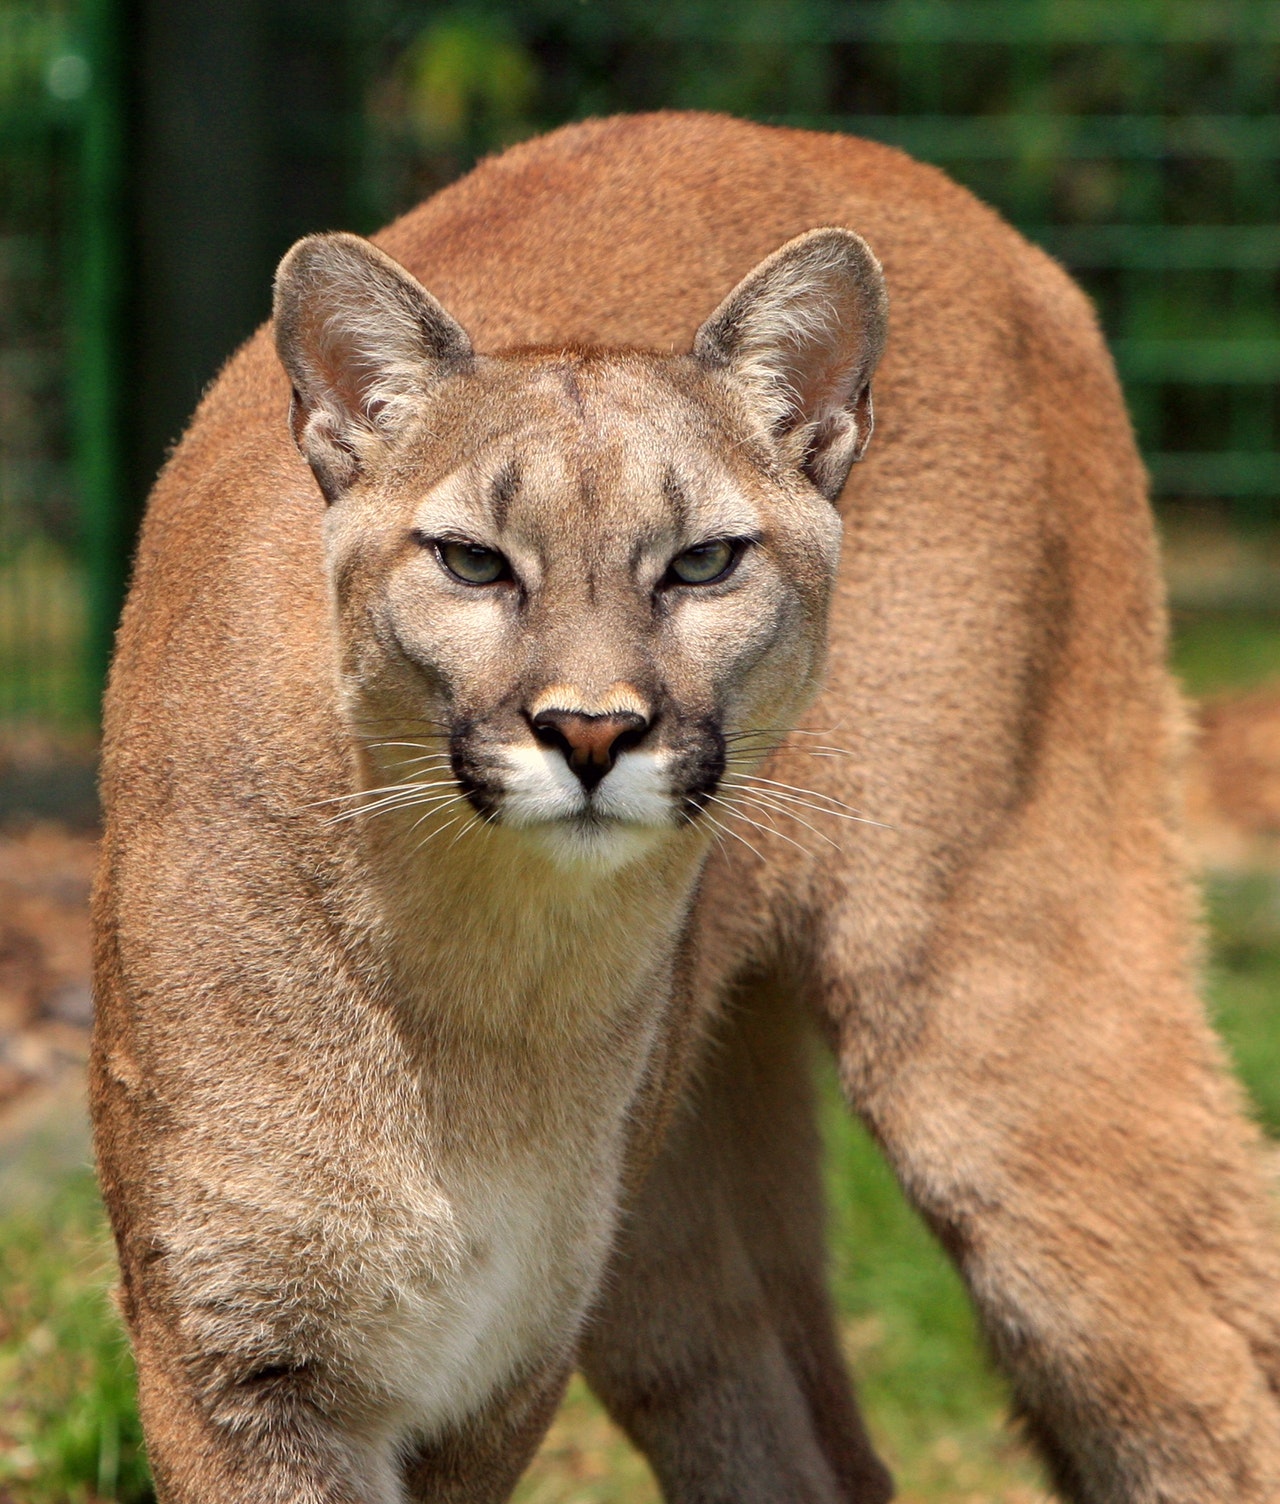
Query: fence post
[[97, 315]]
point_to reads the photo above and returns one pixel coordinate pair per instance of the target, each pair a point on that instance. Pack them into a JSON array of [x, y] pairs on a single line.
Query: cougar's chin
[[585, 841]]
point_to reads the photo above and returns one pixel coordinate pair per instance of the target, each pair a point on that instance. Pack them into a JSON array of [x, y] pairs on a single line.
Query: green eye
[[471, 563], [705, 563]]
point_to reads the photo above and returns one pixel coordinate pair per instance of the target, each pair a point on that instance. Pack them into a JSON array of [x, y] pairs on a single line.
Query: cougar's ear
[[803, 333], [362, 342]]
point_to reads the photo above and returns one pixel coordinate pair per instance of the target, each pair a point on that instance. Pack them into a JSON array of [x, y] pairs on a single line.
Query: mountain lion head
[[576, 588]]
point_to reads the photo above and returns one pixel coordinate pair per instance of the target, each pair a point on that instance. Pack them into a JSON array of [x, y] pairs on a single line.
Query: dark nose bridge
[[590, 743]]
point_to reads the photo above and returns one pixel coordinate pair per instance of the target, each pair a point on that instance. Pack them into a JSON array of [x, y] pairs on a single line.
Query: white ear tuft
[[802, 333], [362, 342]]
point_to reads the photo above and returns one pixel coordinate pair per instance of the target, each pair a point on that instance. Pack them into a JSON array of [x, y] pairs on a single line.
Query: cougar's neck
[[492, 935]]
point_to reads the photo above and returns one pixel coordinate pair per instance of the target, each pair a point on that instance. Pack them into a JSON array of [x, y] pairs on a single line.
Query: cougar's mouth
[[530, 786]]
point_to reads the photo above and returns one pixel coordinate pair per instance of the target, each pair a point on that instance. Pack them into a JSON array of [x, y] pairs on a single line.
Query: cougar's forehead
[[607, 459]]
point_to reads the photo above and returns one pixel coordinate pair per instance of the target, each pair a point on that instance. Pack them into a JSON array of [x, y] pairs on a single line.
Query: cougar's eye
[[705, 563], [471, 562]]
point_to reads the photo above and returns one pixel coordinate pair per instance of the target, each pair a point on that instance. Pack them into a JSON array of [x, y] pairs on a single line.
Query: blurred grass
[[43, 627], [1244, 982], [68, 1429], [1219, 651], [68, 1422]]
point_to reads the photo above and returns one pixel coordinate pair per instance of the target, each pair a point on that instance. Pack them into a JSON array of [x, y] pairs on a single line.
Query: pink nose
[[590, 743]]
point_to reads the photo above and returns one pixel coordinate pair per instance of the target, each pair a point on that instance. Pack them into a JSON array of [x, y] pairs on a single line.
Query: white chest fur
[[550, 1011], [522, 1255]]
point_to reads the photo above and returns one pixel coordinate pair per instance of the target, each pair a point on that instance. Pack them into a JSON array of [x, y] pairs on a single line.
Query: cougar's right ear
[[362, 341]]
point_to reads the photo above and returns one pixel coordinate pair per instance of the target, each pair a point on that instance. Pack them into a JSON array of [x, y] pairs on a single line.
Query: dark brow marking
[[502, 490], [676, 499], [569, 376]]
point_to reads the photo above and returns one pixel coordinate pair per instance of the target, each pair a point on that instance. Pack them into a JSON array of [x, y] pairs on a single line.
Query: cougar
[[520, 736]]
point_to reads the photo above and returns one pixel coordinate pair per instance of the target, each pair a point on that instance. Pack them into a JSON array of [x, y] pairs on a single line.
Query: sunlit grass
[[1244, 982]]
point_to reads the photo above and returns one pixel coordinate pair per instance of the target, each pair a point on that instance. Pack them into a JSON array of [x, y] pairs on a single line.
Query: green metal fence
[[61, 550], [1138, 140]]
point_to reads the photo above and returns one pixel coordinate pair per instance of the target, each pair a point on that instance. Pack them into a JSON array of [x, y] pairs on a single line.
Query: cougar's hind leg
[[715, 1345], [1053, 1101]]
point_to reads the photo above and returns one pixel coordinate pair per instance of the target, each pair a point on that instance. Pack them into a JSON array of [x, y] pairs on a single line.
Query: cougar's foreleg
[[714, 1345], [481, 1462], [1047, 1089], [276, 1449]]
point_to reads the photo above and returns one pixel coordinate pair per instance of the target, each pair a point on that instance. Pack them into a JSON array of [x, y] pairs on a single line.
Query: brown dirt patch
[[45, 1009]]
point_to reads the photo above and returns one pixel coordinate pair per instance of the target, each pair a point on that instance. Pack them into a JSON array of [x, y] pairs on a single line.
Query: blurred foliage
[[466, 77], [30, 36], [42, 619], [36, 485], [802, 59]]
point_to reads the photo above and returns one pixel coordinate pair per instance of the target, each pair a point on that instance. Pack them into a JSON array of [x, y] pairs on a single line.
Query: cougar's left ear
[[803, 333], [362, 342]]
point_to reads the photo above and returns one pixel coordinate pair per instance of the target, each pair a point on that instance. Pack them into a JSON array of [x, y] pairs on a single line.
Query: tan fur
[[368, 1110]]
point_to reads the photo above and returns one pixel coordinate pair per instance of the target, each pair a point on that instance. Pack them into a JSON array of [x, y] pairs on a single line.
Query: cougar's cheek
[[701, 769], [476, 773]]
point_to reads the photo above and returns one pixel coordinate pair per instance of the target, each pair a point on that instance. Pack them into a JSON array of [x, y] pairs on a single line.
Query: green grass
[[1244, 982], [68, 1422], [935, 1406]]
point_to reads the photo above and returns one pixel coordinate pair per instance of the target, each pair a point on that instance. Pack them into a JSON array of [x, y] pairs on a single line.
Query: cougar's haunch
[[466, 893]]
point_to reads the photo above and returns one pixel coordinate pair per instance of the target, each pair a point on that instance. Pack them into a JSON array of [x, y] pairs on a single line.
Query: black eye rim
[[738, 546], [504, 576]]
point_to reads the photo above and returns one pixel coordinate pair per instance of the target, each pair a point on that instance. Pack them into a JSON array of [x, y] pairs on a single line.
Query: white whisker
[[432, 759], [436, 809], [836, 807], [467, 825], [413, 746], [795, 788], [724, 829], [428, 793], [386, 788], [769, 830], [762, 802], [432, 834]]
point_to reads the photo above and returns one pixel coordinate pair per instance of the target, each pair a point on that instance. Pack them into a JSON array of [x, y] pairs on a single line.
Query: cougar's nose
[[590, 743]]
